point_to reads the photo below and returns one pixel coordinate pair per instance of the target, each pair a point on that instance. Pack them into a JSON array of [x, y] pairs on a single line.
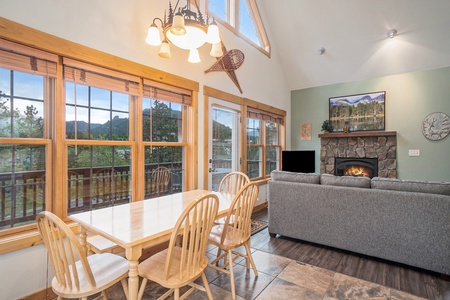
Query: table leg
[[83, 239], [133, 254]]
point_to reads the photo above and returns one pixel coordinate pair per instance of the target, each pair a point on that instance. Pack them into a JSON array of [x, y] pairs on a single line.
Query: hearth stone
[[382, 147]]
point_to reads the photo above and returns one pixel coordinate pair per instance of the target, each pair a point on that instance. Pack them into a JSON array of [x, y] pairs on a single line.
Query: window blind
[[87, 74], [165, 92], [21, 58], [265, 116]]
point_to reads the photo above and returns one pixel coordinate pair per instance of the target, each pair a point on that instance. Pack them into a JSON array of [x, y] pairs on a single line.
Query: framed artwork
[[362, 112], [305, 131]]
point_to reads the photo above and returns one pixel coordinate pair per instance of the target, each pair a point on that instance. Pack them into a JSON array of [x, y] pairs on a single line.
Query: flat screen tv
[[301, 161]]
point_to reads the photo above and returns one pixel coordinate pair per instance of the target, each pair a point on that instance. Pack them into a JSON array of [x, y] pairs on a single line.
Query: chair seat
[[231, 240], [153, 269], [105, 268]]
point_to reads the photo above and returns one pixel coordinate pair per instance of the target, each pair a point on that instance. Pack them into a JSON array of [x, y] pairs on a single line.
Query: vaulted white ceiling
[[354, 35]]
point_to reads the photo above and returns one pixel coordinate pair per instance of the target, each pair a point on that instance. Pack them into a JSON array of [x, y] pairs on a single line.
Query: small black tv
[[301, 161]]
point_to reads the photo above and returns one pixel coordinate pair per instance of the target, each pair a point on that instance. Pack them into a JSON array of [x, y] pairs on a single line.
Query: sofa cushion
[[350, 181], [295, 177], [416, 186]]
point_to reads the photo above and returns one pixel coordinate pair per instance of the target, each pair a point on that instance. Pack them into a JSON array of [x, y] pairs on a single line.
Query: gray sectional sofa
[[397, 220]]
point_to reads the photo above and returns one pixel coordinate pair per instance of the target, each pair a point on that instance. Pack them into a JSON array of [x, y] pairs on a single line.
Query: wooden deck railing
[[22, 194]]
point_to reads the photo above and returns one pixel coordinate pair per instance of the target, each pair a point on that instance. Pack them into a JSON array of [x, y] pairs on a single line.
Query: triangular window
[[243, 18]]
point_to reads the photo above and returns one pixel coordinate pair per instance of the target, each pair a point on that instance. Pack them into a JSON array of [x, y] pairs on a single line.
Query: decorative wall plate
[[436, 126]]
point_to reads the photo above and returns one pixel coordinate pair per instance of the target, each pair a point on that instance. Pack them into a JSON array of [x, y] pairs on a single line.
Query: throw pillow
[[350, 181], [416, 186], [295, 177]]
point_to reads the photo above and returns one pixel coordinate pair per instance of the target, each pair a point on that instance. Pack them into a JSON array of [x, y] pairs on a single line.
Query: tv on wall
[[301, 161]]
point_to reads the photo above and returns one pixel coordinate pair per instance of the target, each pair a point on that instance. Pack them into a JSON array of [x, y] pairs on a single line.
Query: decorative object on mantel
[[326, 126], [365, 111], [305, 131], [186, 29], [346, 127], [436, 126], [229, 62]]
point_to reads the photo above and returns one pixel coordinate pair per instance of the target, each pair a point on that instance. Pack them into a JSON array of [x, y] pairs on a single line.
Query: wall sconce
[[391, 33]]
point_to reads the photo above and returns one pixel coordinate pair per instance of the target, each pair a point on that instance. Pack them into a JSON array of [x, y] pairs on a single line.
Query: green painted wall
[[410, 97]]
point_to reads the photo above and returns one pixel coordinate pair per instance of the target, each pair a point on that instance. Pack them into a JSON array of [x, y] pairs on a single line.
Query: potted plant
[[326, 126]]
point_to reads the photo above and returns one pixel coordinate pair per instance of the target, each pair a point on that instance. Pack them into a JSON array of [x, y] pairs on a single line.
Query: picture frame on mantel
[[360, 112]]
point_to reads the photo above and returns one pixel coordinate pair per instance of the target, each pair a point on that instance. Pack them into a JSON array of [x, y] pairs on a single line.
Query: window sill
[[19, 241]]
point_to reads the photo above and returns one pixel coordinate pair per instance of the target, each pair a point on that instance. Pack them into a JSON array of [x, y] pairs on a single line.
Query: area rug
[[257, 226]]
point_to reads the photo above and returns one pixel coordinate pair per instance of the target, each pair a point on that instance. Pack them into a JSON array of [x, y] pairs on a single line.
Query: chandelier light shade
[[216, 50], [164, 51], [194, 56], [186, 29]]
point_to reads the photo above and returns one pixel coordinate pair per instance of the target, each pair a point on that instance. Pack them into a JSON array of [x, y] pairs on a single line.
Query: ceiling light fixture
[[391, 33], [186, 29]]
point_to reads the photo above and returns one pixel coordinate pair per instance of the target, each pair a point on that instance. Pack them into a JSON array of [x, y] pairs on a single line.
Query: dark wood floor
[[401, 277]]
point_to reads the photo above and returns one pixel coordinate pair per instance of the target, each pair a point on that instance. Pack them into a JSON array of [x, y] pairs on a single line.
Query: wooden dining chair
[[161, 179], [78, 275], [185, 259], [235, 232], [233, 182], [157, 182]]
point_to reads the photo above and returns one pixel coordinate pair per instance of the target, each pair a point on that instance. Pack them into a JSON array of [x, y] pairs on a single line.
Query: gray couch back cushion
[[350, 181], [295, 177], [416, 186]]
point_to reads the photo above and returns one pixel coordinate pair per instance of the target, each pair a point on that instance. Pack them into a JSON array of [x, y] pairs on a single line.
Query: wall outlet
[[414, 152]]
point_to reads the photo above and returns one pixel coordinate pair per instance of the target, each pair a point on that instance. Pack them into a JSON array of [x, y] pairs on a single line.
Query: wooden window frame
[[27, 236], [233, 25], [246, 104]]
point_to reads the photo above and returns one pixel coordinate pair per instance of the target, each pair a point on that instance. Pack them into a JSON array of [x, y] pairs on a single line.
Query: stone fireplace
[[379, 145]]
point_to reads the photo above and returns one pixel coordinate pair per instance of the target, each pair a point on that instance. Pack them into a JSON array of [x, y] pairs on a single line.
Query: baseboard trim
[[260, 206], [44, 294]]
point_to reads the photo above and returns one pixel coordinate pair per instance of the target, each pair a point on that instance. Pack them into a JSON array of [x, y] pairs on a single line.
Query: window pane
[[5, 81], [253, 132], [272, 133], [100, 98], [30, 121], [5, 116], [218, 8], [98, 176], [21, 104], [254, 162], [81, 94], [28, 85], [162, 121], [22, 184], [106, 118], [246, 24], [272, 159], [163, 170]]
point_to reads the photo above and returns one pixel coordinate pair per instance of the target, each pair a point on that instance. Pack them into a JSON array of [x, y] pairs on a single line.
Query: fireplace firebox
[[352, 166]]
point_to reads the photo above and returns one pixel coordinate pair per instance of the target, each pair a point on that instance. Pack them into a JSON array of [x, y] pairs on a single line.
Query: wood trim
[[25, 239], [192, 157], [212, 92], [357, 134], [206, 117], [265, 107], [41, 294], [260, 206], [31, 37]]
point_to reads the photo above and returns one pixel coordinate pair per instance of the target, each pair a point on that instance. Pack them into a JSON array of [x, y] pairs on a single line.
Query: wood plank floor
[[412, 280]]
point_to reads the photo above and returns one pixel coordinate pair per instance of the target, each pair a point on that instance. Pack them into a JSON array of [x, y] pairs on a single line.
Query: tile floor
[[282, 278]]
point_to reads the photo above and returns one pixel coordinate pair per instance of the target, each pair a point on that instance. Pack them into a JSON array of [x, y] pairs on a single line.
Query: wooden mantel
[[357, 134]]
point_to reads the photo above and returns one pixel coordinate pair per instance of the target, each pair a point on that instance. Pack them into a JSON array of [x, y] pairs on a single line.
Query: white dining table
[[137, 225]]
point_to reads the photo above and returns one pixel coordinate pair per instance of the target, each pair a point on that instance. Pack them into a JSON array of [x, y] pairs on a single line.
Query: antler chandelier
[[186, 29]]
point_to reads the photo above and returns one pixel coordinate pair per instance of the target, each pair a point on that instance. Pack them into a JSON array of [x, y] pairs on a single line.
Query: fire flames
[[357, 171]]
